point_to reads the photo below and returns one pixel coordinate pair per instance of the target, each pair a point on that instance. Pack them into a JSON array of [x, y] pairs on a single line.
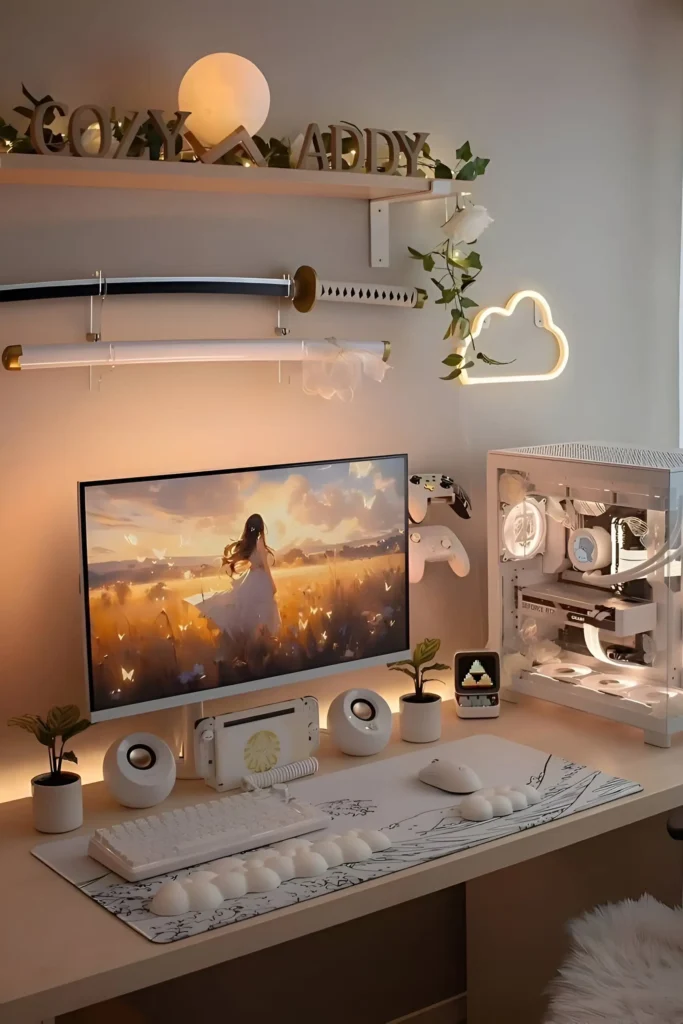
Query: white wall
[[579, 107]]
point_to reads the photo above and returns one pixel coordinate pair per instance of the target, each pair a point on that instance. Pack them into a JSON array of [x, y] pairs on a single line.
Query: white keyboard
[[219, 828]]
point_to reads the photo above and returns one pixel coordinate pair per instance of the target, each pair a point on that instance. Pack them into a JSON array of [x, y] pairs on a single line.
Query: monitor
[[200, 585]]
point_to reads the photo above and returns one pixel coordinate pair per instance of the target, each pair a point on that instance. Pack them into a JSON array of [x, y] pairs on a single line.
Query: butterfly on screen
[[121, 636], [131, 538], [387, 586], [127, 676], [141, 558], [183, 628], [159, 554]]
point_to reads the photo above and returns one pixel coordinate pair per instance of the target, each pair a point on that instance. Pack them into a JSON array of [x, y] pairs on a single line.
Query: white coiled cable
[[281, 775]]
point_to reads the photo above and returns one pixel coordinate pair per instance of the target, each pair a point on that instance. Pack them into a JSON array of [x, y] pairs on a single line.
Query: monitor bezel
[[197, 696]]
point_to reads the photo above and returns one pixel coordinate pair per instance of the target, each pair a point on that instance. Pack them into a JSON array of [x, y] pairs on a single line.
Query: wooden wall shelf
[[380, 190]]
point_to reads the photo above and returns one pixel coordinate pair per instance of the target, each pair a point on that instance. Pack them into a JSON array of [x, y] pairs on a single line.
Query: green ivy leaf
[[467, 303], [493, 362], [467, 280], [438, 284], [458, 261], [452, 375], [69, 755], [466, 173], [262, 144], [454, 359], [464, 152], [456, 315], [428, 262], [464, 328], [449, 295], [474, 260], [8, 132], [480, 164], [468, 366], [28, 95], [449, 330], [442, 171], [24, 111], [414, 254], [426, 151]]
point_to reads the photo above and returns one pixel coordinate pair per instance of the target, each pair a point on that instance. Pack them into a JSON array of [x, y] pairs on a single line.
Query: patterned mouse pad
[[422, 822]]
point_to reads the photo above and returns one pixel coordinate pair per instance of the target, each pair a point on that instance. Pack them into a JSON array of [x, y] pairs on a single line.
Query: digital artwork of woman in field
[[208, 580]]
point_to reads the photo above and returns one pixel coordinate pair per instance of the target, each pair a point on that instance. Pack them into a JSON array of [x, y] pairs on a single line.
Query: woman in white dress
[[249, 608]]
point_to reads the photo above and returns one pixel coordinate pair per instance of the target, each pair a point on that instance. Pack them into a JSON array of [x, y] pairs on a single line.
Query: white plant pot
[[420, 720], [57, 808]]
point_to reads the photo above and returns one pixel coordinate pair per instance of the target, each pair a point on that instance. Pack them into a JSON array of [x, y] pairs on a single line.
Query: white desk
[[61, 951]]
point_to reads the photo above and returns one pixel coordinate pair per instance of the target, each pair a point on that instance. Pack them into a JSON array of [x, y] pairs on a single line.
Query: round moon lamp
[[223, 91]]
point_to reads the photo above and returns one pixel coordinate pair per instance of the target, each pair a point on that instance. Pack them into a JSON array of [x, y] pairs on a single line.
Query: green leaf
[[456, 315], [480, 164], [442, 171], [8, 132], [407, 671], [262, 144], [69, 755], [467, 280], [467, 303], [474, 260], [468, 366], [425, 651], [449, 330], [438, 284], [437, 667], [454, 359], [466, 173], [426, 151], [61, 718], [453, 375], [24, 111], [493, 362], [28, 95], [458, 261], [74, 729], [428, 262], [464, 152], [464, 328], [415, 254]]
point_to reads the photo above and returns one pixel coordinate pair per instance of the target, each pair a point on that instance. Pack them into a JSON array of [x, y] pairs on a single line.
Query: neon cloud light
[[510, 306]]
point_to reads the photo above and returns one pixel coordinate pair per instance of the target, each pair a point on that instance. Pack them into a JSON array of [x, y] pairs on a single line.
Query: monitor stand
[[183, 740]]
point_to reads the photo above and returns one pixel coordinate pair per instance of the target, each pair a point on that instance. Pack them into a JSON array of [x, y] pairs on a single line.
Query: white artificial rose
[[468, 224]]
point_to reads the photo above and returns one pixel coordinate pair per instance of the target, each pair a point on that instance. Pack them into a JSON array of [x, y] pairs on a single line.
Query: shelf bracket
[[439, 188]]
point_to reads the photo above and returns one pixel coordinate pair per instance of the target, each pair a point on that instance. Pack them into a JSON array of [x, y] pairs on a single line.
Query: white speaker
[[139, 770], [359, 722]]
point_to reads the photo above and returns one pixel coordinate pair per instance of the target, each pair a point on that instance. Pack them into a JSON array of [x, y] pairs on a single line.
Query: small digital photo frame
[[477, 684]]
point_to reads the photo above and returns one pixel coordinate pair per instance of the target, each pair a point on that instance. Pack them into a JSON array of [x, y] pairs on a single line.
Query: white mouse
[[449, 776]]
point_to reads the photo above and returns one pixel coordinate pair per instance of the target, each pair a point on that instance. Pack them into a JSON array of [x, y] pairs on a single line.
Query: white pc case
[[585, 545]]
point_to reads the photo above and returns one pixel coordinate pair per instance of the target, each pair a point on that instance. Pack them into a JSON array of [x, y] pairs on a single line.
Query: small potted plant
[[420, 712], [57, 796]]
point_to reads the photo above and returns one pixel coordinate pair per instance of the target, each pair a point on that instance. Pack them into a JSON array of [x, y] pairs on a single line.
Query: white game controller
[[435, 544], [425, 488]]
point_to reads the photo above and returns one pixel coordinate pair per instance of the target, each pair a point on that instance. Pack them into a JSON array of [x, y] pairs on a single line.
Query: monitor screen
[[204, 584]]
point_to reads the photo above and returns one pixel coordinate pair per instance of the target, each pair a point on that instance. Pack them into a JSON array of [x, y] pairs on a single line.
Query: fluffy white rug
[[625, 967]]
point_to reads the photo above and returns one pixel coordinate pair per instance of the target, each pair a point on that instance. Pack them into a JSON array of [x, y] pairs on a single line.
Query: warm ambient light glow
[[510, 306], [223, 91], [120, 353]]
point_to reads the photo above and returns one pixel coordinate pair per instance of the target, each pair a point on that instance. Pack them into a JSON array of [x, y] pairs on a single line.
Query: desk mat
[[422, 822]]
